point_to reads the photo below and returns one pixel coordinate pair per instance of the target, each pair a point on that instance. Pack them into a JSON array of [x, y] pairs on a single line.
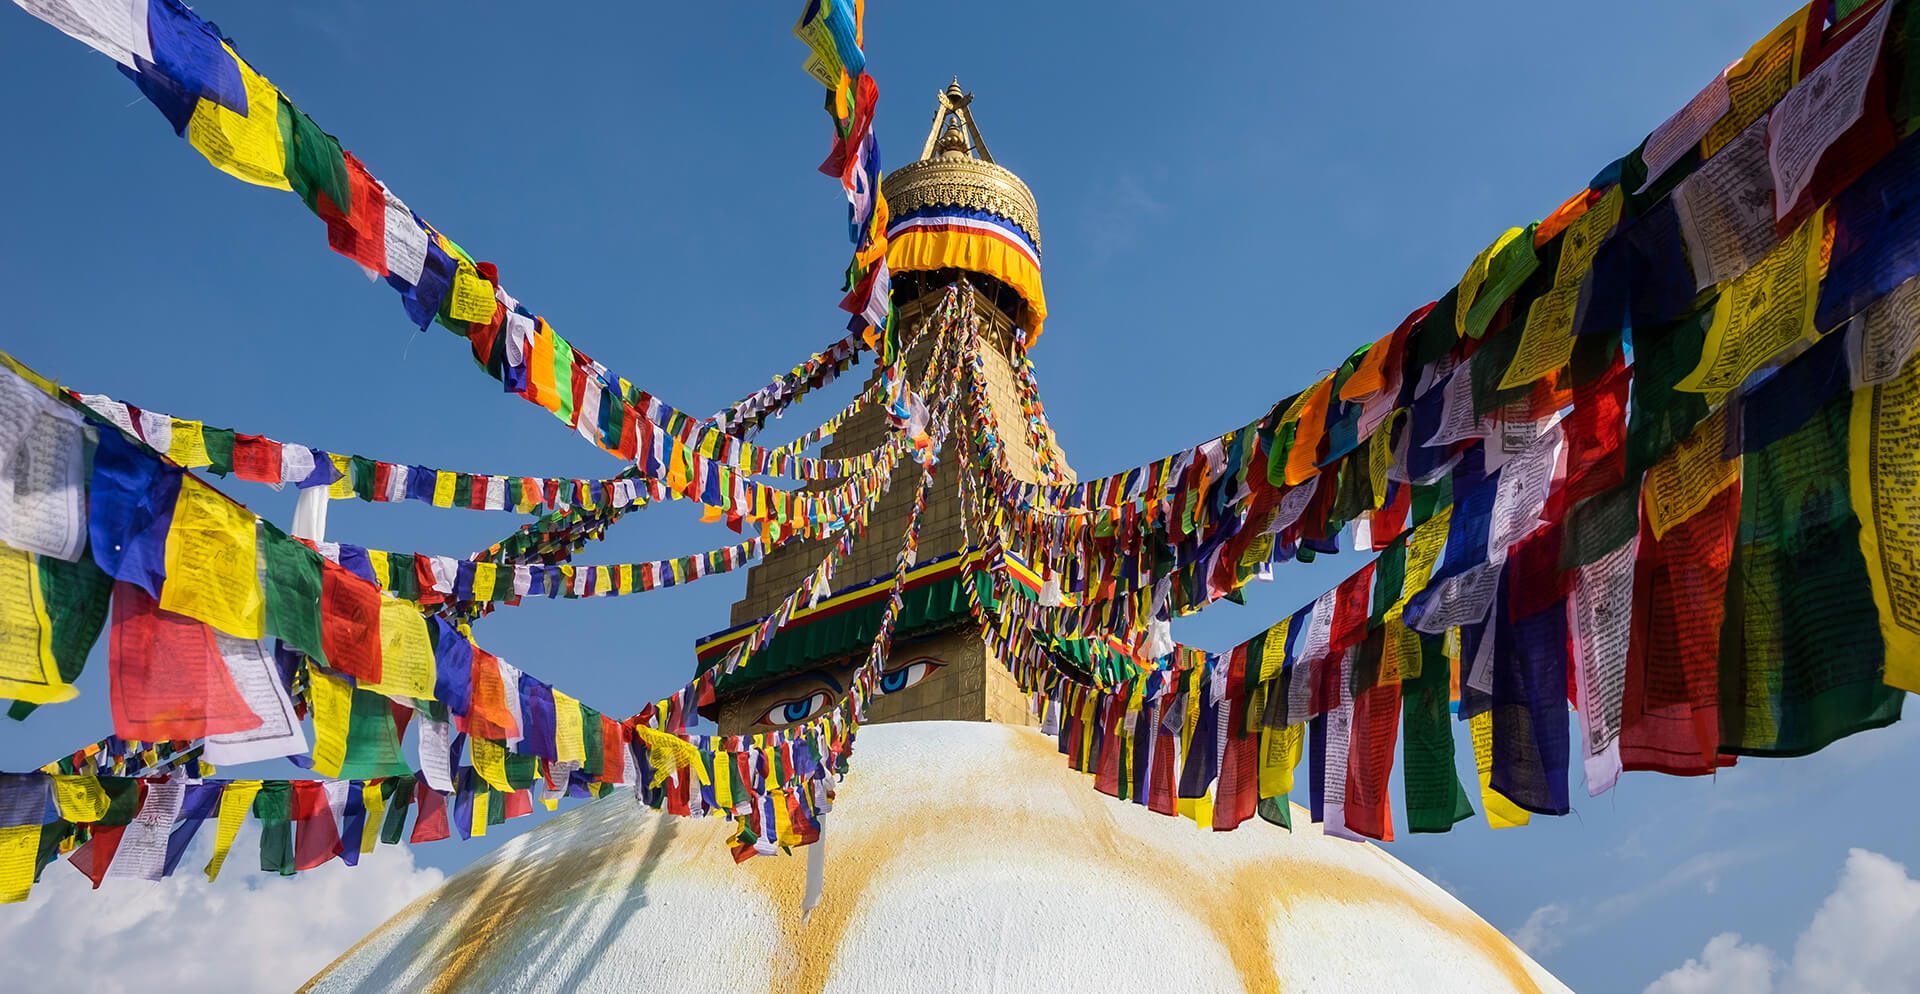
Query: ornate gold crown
[[956, 170]]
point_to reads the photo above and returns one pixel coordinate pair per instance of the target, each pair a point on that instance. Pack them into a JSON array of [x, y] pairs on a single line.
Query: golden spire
[[955, 169], [956, 113]]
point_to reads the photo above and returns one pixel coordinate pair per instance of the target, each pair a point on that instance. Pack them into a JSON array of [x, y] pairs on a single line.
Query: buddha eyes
[[812, 705], [795, 711], [894, 681]]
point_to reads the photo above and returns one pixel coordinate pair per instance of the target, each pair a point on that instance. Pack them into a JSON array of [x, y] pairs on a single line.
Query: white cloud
[[1860, 942], [248, 931], [1726, 966], [1542, 932]]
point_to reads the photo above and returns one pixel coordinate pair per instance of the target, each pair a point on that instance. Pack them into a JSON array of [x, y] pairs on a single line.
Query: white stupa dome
[[960, 857]]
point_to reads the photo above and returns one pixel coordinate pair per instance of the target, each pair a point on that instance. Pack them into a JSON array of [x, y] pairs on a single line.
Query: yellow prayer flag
[[1761, 313], [472, 296], [80, 797], [245, 146], [188, 444], [1689, 475], [342, 487], [490, 761], [722, 781], [1501, 813], [1279, 753], [782, 821], [235, 801], [28, 670], [485, 577], [1199, 810], [443, 482], [1423, 551], [480, 804], [1884, 471], [1546, 340], [376, 804], [211, 574], [1758, 81], [1273, 652], [332, 698], [19, 845], [569, 736], [406, 656]]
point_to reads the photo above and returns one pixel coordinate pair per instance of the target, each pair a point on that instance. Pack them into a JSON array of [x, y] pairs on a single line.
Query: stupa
[[963, 855]]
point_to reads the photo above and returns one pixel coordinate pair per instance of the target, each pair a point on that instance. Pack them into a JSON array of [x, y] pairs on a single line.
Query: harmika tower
[[955, 214]]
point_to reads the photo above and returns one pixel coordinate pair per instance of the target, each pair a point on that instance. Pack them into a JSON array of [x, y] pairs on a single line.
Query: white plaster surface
[[961, 857]]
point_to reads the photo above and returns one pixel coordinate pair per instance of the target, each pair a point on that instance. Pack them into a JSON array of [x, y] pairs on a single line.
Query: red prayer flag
[[1376, 724], [1237, 792], [256, 458], [166, 678], [430, 824], [362, 234], [316, 837], [517, 803], [613, 750], [1352, 602], [1670, 718], [349, 623], [93, 857]]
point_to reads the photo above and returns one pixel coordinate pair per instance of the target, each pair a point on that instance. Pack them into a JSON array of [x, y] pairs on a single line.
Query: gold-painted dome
[[956, 170]]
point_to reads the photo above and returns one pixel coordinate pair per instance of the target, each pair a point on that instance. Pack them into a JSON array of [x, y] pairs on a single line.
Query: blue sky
[[1229, 205]]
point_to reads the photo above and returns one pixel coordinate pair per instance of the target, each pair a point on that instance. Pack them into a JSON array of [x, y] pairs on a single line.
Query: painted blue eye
[[894, 681], [791, 712]]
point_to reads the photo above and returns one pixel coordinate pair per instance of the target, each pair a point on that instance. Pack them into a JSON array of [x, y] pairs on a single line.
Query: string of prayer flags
[[246, 127]]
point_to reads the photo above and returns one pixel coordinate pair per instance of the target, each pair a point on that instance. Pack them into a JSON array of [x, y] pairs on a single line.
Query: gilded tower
[[956, 214]]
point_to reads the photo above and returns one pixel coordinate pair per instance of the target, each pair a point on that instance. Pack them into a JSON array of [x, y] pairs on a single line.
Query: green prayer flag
[[293, 590], [563, 377], [219, 445], [1430, 499], [363, 477], [1435, 800], [273, 806], [521, 770], [1276, 810], [1505, 272], [373, 741], [123, 800], [315, 164], [1389, 575], [1801, 656], [398, 791], [1434, 336], [1489, 367], [1600, 524], [78, 594], [462, 490], [590, 736], [1658, 416]]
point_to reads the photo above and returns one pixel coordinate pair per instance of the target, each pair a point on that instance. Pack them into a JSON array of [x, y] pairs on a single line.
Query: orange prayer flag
[[487, 714], [1305, 453], [1370, 377]]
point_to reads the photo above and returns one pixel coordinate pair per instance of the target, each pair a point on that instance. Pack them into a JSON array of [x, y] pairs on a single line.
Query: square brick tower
[[955, 215]]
